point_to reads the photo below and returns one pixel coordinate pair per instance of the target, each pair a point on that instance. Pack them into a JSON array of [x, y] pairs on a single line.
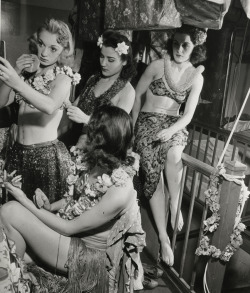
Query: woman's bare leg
[[158, 207], [21, 226], [173, 172]]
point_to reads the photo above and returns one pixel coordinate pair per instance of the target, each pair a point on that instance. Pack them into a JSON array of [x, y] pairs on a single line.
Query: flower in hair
[[200, 38], [100, 41], [122, 48]]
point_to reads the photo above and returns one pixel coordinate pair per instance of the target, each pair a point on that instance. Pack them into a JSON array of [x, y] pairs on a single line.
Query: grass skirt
[[86, 272]]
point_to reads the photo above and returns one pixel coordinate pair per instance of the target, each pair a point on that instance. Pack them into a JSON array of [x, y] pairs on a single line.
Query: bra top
[[159, 88], [88, 102], [166, 86]]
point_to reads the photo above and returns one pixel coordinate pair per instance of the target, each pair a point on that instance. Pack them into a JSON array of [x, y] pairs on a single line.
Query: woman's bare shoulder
[[121, 195], [127, 91], [155, 66]]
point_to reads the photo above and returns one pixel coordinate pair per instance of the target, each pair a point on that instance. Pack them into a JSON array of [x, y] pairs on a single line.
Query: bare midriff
[[35, 126], [160, 104]]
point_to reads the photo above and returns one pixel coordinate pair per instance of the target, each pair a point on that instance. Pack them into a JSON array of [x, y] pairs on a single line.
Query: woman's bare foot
[[167, 255], [173, 218]]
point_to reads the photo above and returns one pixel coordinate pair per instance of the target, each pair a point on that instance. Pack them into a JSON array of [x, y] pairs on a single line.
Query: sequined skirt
[[153, 152], [44, 165]]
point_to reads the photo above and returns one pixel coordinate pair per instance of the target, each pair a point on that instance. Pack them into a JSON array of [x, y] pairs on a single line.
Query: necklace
[[91, 194], [42, 82]]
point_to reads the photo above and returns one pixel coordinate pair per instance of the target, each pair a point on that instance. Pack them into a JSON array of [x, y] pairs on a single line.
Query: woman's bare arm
[[141, 88], [45, 103], [126, 98], [24, 61], [112, 204], [190, 107]]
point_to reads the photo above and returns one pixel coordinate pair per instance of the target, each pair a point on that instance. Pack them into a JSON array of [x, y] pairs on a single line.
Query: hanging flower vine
[[212, 198]]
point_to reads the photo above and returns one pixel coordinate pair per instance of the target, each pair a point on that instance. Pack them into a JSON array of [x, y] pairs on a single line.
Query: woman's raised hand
[[41, 200], [26, 62], [77, 115], [8, 74]]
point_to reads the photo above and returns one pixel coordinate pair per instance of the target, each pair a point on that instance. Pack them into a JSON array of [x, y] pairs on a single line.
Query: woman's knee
[[9, 209], [174, 155]]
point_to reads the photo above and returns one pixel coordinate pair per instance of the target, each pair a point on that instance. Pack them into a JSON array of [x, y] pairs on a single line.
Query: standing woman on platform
[[111, 85], [160, 133], [41, 85]]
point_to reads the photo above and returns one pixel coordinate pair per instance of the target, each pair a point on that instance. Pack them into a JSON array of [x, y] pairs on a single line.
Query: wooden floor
[[165, 285]]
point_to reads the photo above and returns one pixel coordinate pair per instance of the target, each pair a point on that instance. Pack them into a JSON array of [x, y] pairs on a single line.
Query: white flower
[[137, 161], [71, 179], [38, 83], [120, 177], [100, 41], [106, 180], [68, 71], [122, 48], [126, 12], [144, 17], [116, 3], [70, 190], [49, 75], [76, 78]]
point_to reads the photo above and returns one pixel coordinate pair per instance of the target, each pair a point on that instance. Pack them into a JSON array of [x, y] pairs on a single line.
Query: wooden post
[[229, 199]]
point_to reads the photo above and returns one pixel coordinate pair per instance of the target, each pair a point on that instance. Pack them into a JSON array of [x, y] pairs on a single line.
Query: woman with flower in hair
[[111, 85], [160, 133], [97, 234], [41, 85]]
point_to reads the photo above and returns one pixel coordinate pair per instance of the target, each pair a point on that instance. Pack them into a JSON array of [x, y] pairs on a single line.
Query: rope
[[244, 103], [233, 129]]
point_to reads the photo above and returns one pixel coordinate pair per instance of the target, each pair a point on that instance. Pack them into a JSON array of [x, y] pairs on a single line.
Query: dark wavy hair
[[110, 39], [199, 53], [109, 136]]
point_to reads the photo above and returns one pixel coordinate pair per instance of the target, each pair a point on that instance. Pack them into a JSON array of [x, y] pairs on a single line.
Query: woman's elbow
[[50, 109]]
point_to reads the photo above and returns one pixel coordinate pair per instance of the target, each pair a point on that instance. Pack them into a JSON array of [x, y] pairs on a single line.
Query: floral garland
[[90, 195], [42, 83], [212, 197]]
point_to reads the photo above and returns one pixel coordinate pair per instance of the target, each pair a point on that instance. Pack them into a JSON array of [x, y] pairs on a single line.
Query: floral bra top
[[165, 86], [42, 83], [88, 101]]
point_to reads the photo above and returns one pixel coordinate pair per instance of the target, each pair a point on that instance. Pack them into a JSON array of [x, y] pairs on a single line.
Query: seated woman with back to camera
[[95, 236]]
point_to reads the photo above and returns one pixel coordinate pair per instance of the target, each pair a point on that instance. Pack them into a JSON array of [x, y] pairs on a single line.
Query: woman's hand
[[164, 135], [13, 189], [41, 200], [8, 74], [76, 115], [26, 62]]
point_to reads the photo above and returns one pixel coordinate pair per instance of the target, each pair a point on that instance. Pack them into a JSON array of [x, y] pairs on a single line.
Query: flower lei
[[200, 37], [42, 83], [212, 197], [5, 177], [121, 48], [90, 195]]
